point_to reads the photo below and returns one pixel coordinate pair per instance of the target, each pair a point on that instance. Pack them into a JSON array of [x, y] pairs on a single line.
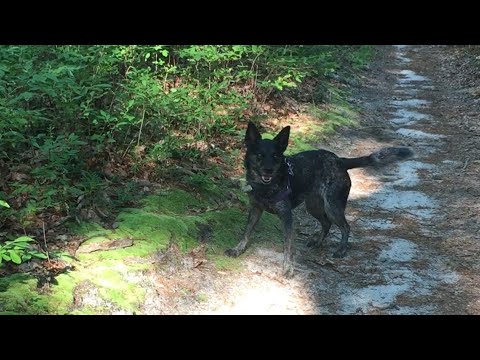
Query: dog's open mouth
[[266, 179]]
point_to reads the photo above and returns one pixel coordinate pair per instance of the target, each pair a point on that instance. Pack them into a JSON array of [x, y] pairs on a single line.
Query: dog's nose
[[268, 171]]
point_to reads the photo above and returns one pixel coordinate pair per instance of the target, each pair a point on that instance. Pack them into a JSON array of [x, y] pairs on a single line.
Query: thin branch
[[141, 126], [45, 241]]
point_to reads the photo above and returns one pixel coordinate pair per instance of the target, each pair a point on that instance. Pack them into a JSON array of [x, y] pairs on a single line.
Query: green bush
[[68, 111]]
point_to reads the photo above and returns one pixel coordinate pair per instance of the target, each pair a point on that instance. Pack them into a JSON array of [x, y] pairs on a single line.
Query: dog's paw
[[288, 270], [341, 252], [232, 252]]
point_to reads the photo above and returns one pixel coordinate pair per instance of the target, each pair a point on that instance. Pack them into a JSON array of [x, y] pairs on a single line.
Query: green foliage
[[62, 106], [19, 250]]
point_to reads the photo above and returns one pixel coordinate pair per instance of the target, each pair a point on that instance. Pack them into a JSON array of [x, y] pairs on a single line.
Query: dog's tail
[[379, 158]]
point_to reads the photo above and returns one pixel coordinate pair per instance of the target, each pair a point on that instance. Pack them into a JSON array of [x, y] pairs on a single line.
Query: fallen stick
[[105, 246]]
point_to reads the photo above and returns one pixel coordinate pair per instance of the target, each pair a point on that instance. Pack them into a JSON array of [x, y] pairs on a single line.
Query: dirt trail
[[414, 225]]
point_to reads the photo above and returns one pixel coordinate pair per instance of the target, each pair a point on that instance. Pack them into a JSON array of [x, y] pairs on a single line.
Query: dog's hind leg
[[253, 217], [335, 198], [315, 207], [335, 210]]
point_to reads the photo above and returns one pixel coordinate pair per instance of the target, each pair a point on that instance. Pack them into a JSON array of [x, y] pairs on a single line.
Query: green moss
[[18, 294], [150, 232], [115, 289], [89, 310], [89, 230], [111, 278], [60, 299], [223, 262], [300, 144], [95, 239], [228, 226], [268, 136], [202, 297], [181, 202], [172, 202], [151, 228]]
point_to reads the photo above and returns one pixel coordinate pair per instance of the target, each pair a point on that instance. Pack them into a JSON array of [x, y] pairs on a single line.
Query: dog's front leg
[[288, 247], [253, 217]]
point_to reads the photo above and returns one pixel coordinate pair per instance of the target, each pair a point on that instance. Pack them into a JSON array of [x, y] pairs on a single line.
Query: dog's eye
[[260, 156]]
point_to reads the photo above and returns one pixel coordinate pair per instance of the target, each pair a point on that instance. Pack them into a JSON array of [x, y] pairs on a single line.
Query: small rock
[[143, 182], [62, 237]]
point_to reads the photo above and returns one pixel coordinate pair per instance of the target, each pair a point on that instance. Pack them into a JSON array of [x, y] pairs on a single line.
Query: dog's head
[[264, 159]]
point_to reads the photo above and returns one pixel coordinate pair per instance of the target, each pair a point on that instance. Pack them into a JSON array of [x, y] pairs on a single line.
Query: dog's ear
[[282, 138], [252, 135]]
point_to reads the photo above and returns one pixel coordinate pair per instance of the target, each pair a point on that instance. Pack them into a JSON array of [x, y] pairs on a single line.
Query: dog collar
[[289, 166], [283, 194]]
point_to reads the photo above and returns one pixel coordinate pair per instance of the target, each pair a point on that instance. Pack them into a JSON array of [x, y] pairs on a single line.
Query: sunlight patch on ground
[[266, 298], [417, 134], [363, 184], [262, 290]]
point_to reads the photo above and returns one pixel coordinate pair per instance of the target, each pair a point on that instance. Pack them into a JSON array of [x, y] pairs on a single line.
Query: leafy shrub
[[19, 250]]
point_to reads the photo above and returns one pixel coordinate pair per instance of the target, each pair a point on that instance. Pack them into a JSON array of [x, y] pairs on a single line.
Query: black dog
[[318, 177]]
